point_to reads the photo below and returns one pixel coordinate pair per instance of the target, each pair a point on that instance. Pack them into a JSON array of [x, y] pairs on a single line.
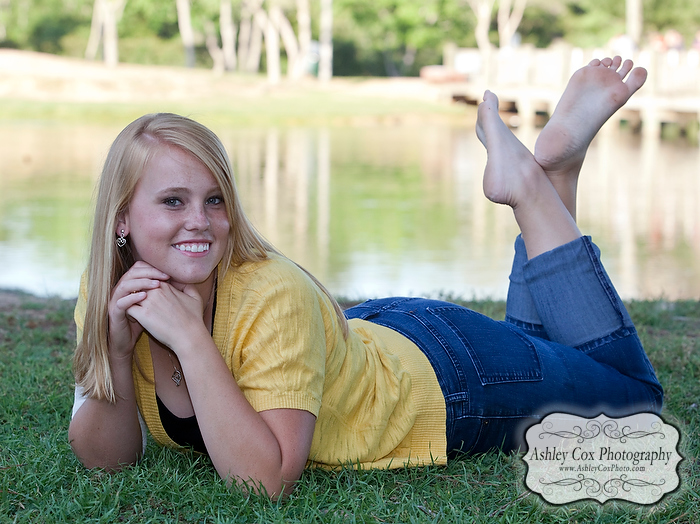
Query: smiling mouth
[[192, 248]]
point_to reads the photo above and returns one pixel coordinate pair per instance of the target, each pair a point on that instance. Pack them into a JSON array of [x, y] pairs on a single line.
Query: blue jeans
[[567, 345]]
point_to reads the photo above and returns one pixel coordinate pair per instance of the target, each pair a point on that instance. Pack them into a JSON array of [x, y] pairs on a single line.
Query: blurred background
[[350, 124], [369, 37]]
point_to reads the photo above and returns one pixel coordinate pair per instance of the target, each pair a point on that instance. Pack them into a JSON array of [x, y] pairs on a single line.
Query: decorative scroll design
[[594, 428]]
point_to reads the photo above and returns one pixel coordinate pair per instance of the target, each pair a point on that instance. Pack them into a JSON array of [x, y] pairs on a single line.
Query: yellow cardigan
[[375, 395]]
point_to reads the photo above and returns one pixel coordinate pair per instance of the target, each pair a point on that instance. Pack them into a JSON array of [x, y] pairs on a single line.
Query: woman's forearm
[[108, 435], [242, 446]]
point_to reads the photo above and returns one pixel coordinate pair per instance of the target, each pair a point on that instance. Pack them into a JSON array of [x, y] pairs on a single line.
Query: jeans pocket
[[498, 351], [374, 307]]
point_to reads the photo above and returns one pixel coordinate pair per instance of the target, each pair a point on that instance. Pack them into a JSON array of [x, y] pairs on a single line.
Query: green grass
[[283, 107], [41, 481]]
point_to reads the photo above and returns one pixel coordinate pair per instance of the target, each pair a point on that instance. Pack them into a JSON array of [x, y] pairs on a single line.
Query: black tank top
[[184, 431]]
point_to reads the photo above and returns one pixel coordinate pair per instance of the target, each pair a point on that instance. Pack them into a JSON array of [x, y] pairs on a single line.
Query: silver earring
[[121, 241]]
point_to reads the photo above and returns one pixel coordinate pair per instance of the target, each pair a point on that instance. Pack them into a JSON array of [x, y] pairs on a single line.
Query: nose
[[197, 219]]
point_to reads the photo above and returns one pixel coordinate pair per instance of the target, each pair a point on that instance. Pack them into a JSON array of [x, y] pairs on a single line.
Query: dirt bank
[[37, 76]]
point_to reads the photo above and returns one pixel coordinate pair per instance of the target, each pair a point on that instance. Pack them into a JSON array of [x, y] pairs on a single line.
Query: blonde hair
[[126, 160]]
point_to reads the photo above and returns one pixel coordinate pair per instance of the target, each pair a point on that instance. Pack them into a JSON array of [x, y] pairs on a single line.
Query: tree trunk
[[112, 11], [509, 18], [228, 35], [96, 26], [184, 23], [252, 64], [482, 9], [212, 43], [249, 38], [635, 20], [272, 46], [325, 63], [244, 34], [304, 30], [288, 38]]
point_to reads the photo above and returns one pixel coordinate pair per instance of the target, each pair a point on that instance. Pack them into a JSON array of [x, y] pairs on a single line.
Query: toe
[[490, 98], [636, 79], [626, 68]]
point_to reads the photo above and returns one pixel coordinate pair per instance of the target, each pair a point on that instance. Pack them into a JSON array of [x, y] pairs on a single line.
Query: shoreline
[[11, 299], [42, 77]]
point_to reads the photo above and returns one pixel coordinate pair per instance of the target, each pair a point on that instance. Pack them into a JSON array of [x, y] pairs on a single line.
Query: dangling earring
[[121, 241]]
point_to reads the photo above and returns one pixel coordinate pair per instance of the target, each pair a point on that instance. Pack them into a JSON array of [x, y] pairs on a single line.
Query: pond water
[[371, 210]]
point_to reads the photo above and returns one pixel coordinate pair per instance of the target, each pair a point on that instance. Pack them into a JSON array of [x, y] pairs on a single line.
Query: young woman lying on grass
[[190, 322]]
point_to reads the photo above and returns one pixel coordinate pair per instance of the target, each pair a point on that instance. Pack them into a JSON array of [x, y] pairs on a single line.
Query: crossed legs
[[541, 188], [563, 292]]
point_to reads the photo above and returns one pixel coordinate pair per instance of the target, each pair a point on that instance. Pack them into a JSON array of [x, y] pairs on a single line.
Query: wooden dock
[[530, 81]]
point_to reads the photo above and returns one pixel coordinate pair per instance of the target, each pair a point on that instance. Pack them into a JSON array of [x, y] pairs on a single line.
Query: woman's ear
[[122, 227]]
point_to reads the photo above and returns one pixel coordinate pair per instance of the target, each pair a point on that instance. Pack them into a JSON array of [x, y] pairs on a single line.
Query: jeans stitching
[[532, 330], [524, 325], [618, 334], [534, 375], [600, 273]]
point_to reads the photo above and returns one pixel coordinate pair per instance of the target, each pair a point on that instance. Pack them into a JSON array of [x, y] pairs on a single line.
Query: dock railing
[[533, 80]]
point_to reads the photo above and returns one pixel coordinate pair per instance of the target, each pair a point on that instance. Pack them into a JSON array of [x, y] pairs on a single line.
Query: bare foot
[[513, 177], [510, 167], [592, 96]]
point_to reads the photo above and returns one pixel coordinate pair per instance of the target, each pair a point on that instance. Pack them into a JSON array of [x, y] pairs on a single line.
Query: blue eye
[[171, 202], [215, 200]]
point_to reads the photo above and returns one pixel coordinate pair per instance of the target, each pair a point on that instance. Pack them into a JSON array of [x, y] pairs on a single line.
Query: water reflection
[[47, 176], [371, 210]]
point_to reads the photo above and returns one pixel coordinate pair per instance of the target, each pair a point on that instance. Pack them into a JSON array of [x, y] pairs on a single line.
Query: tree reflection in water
[[371, 210]]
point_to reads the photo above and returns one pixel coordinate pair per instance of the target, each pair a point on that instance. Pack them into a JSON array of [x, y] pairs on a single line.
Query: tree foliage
[[390, 37], [371, 37], [682, 15], [142, 17], [41, 25], [594, 22]]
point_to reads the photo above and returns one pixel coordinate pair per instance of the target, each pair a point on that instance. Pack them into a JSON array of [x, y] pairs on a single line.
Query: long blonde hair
[[126, 160]]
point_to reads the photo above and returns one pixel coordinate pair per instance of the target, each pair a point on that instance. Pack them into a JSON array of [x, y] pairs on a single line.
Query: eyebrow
[[180, 190], [174, 190]]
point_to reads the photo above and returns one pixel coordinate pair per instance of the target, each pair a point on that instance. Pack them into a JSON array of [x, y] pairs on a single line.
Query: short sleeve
[[279, 337]]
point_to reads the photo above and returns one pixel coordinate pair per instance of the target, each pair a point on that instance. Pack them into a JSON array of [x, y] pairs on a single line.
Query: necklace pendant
[[176, 377]]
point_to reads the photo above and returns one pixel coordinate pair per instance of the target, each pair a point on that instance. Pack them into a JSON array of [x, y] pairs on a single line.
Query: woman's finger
[[129, 300], [141, 269], [131, 286]]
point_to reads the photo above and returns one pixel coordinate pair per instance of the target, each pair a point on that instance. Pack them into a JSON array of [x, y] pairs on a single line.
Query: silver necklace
[[177, 374]]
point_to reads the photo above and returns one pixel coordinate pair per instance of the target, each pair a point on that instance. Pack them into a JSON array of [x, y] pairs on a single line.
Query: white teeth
[[193, 248]]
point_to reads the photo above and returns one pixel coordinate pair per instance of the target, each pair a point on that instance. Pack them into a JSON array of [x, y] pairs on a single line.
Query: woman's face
[[176, 220]]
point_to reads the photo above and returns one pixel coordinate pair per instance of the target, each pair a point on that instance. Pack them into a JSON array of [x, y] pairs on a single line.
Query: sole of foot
[[594, 93]]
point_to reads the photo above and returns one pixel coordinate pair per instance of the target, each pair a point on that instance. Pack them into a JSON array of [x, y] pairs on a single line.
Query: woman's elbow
[[92, 453]]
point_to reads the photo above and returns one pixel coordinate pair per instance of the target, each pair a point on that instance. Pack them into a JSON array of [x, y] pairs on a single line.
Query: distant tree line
[[323, 37]]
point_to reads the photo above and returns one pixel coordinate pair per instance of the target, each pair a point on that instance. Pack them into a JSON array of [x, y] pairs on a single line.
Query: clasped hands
[[145, 299]]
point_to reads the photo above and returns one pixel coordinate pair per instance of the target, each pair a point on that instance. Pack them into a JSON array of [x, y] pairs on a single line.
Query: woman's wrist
[[191, 342], [195, 346], [121, 374], [119, 361]]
